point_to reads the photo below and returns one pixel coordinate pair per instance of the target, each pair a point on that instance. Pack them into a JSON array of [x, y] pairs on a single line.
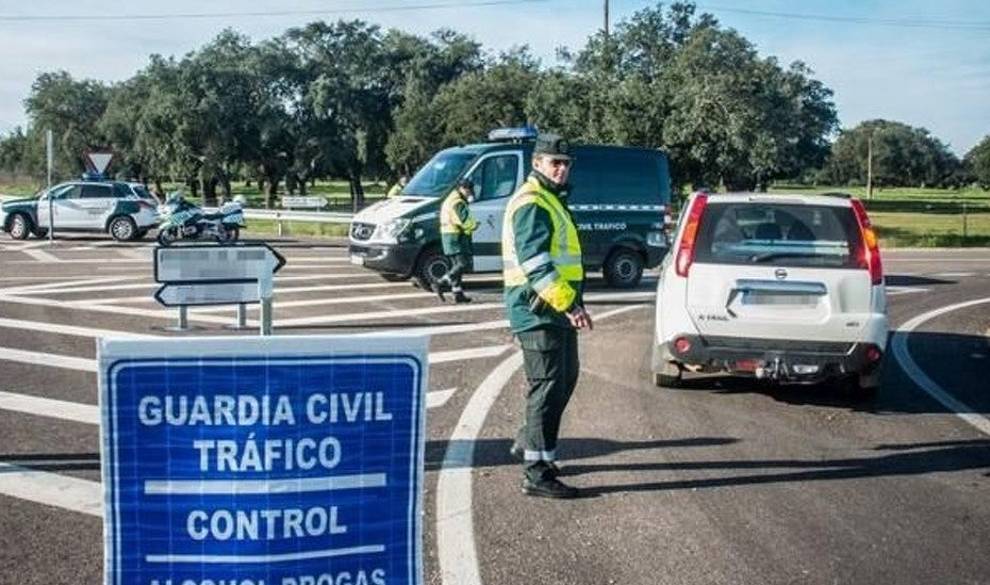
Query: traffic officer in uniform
[[456, 227], [397, 187], [544, 279]]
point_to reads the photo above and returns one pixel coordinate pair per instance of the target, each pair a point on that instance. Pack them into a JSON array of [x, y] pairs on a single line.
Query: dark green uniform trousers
[[550, 357]]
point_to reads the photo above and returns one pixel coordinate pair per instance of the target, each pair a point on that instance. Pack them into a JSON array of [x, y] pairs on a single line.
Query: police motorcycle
[[184, 220]]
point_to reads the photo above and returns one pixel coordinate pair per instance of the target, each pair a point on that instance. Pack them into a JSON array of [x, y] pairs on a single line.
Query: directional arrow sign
[[205, 293], [216, 264]]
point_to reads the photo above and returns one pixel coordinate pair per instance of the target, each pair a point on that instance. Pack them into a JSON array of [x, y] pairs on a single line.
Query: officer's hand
[[580, 318]]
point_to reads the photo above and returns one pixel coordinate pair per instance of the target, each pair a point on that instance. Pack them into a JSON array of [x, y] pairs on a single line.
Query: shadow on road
[[495, 452], [52, 462], [906, 460], [908, 280]]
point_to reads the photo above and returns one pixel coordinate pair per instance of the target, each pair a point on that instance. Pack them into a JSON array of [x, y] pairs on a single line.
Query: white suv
[[781, 287]]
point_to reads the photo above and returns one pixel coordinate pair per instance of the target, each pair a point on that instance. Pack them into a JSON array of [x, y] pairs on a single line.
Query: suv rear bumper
[[777, 359]]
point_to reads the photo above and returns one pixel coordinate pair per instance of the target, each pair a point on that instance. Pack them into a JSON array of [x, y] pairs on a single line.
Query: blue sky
[[937, 77]]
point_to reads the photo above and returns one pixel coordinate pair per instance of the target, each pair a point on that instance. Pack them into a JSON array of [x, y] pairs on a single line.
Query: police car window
[[95, 192], [65, 192], [496, 177], [121, 190]]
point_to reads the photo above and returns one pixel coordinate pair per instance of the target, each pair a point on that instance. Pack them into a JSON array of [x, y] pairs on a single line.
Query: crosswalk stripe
[[51, 489], [90, 365], [41, 256], [60, 409], [47, 359], [149, 285], [47, 327]]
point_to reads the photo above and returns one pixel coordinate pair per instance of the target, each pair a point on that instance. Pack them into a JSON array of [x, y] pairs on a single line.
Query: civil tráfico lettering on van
[[620, 194]]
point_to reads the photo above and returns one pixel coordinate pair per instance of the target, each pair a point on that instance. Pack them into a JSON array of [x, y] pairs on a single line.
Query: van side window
[[621, 176], [496, 177]]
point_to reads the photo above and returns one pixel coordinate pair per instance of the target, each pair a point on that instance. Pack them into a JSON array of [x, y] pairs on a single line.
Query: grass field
[[904, 217]]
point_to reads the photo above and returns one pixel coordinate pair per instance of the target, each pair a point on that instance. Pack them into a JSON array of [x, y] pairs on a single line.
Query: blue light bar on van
[[93, 176], [508, 134]]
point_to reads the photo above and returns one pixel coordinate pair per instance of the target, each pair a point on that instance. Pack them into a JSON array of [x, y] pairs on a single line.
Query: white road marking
[[65, 288], [47, 359], [900, 350], [441, 309], [439, 357], [40, 256], [287, 290], [69, 286], [113, 309], [456, 548], [437, 398], [90, 365], [893, 291], [60, 409], [47, 327], [51, 489]]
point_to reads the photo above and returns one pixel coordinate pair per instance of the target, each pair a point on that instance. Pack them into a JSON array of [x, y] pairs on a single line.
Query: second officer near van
[[456, 227]]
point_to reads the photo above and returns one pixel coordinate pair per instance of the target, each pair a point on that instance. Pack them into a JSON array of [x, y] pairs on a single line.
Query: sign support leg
[[265, 293]]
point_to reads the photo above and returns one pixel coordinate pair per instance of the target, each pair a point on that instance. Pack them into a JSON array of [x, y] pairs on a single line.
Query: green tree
[[978, 162], [903, 156], [71, 109]]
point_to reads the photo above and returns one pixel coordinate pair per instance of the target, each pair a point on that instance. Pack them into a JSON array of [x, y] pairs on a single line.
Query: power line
[[256, 14], [895, 22]]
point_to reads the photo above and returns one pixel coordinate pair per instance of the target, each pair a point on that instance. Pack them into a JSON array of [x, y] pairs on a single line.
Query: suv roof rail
[[841, 194]]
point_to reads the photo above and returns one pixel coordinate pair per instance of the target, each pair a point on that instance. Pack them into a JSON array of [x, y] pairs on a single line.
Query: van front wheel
[[432, 266], [623, 268]]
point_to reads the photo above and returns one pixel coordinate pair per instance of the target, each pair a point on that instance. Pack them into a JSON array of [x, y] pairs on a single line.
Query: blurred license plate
[[771, 299], [357, 260]]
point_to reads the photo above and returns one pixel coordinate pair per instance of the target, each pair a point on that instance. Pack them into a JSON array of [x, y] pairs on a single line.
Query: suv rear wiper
[[775, 255]]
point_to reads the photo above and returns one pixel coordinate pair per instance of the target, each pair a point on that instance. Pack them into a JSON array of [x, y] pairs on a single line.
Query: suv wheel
[[19, 227], [432, 265], [122, 228], [623, 268]]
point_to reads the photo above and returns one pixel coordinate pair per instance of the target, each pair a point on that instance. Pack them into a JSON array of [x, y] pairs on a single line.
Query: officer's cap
[[552, 146]]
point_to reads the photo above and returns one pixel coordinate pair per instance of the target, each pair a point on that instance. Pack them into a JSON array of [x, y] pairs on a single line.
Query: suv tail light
[[870, 252], [686, 249]]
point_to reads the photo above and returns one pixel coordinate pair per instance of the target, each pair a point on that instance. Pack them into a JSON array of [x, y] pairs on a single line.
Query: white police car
[[788, 288], [124, 210]]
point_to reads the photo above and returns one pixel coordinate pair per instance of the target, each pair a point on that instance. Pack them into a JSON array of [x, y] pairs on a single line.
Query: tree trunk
[[193, 188], [303, 187], [271, 192], [357, 193], [210, 191], [226, 188]]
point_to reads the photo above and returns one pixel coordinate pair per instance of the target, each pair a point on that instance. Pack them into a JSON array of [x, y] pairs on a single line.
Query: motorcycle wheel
[[228, 235], [167, 237]]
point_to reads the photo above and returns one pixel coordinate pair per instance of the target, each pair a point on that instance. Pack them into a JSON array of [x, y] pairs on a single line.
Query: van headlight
[[390, 232]]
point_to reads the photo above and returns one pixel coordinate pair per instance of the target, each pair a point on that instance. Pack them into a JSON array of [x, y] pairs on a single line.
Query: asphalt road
[[720, 482]]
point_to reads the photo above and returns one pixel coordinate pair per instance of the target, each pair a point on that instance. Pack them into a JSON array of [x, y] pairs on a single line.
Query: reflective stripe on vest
[[565, 247], [450, 223]]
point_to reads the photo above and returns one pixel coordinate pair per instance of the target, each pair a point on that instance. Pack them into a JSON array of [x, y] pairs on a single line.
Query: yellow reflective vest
[[541, 255]]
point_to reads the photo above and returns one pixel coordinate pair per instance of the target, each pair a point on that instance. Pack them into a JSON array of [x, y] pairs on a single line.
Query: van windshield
[[437, 177], [778, 234]]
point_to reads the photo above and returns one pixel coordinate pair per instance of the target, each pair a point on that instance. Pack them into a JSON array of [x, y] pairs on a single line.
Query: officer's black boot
[[548, 487], [437, 288], [460, 297]]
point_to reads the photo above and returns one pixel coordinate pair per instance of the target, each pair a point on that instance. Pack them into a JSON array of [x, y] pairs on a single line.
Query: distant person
[[396, 189], [456, 227]]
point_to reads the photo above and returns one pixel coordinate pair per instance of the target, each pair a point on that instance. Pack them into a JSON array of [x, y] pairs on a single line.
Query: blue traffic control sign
[[263, 461]]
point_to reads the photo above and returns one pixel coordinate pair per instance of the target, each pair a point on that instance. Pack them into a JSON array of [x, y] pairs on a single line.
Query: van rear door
[[768, 267]]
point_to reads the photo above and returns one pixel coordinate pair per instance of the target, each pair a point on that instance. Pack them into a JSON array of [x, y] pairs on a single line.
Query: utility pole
[[869, 166], [606, 21]]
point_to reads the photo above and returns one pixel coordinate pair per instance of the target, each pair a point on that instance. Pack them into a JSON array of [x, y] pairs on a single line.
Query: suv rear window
[[780, 234]]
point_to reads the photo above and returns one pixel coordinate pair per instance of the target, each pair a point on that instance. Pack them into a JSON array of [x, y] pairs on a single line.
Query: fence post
[[965, 222]]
